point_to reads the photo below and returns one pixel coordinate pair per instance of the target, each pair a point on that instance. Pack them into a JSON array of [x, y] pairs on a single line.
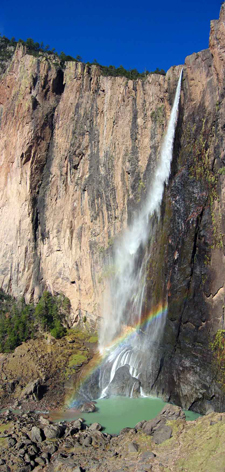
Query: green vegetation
[[202, 167], [131, 74], [221, 171], [93, 339], [75, 361], [218, 350], [199, 145], [19, 321], [7, 48], [158, 115]]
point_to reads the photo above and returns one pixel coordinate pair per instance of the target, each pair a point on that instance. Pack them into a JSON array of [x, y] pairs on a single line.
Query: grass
[[93, 339], [77, 333], [4, 427], [76, 360]]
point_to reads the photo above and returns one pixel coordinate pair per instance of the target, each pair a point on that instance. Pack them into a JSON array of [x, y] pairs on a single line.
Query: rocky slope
[[77, 152], [167, 443], [41, 374]]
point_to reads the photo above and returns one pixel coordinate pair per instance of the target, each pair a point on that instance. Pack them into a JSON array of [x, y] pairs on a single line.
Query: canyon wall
[[77, 154], [190, 249], [77, 151]]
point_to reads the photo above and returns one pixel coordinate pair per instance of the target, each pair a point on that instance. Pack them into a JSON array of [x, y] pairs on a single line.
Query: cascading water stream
[[127, 285]]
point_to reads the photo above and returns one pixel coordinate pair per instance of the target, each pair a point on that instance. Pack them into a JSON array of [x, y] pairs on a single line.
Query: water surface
[[116, 413]]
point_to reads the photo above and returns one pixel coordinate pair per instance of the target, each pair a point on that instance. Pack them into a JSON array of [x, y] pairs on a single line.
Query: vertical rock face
[[192, 236], [77, 153]]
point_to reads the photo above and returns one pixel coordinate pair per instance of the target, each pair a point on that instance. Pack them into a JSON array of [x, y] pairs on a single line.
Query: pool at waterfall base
[[116, 413]]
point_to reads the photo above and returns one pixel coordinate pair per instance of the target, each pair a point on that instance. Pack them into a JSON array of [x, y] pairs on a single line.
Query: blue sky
[[142, 35]]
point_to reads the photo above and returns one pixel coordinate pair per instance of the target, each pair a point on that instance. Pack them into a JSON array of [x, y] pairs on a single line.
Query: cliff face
[[77, 152], [191, 261]]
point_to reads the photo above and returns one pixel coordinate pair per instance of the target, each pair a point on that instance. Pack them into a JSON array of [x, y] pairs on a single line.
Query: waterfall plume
[[126, 290]]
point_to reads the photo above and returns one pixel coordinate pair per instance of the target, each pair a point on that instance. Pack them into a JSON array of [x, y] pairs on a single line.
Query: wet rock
[[162, 434], [123, 383], [88, 407]]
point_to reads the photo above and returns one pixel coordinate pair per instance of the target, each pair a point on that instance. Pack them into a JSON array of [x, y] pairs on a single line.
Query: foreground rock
[[168, 413], [173, 445]]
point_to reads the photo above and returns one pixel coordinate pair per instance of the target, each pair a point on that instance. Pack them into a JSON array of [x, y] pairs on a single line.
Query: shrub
[[58, 331], [19, 321]]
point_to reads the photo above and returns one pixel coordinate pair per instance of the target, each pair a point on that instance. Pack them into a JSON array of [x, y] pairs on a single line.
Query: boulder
[[95, 427], [11, 442], [87, 441], [11, 385], [77, 424], [44, 420], [127, 430], [172, 412], [140, 425], [88, 407], [54, 431], [33, 388], [147, 455], [124, 384], [40, 461], [133, 447], [52, 448], [150, 426], [36, 434], [162, 434], [168, 413]]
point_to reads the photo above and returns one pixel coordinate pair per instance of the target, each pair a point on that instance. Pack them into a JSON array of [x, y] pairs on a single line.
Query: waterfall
[[125, 294]]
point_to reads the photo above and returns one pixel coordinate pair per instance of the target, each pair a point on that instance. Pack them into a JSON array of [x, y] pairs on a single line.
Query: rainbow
[[158, 312]]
